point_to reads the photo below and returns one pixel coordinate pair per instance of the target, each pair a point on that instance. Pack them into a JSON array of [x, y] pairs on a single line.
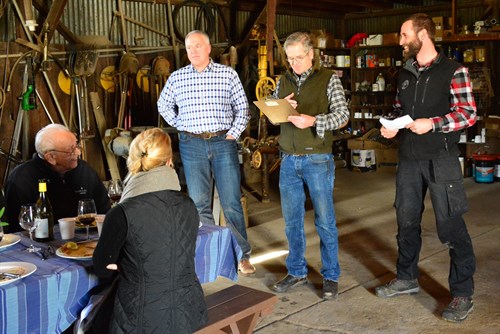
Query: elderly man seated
[[68, 178]]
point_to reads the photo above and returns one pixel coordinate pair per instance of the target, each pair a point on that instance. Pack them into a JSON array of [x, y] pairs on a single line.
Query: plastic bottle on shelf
[[380, 82]]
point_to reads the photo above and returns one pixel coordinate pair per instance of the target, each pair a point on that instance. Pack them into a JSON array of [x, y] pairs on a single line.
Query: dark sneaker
[[330, 289], [458, 309], [288, 282], [398, 287]]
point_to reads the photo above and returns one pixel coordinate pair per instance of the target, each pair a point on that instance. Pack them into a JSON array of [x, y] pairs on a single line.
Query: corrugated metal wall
[[392, 23], [286, 24], [96, 17]]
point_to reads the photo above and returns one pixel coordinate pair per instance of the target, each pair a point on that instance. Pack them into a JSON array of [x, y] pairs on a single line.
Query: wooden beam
[[53, 17], [271, 20]]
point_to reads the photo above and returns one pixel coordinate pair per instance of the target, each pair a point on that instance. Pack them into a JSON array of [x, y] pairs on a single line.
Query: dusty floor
[[367, 251]]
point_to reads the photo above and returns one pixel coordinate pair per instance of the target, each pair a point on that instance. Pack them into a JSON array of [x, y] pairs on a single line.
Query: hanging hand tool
[[17, 130], [28, 97]]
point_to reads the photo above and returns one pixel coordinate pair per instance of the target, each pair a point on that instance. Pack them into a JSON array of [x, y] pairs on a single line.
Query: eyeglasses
[[298, 59], [72, 152]]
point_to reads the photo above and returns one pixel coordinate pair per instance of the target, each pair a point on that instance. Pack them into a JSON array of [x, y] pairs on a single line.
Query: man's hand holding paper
[[396, 124]]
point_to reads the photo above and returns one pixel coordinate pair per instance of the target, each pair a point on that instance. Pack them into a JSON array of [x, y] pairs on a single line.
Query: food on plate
[[82, 249], [14, 271], [71, 245]]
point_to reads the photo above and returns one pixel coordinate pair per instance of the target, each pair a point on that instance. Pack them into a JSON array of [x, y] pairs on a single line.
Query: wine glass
[[86, 213], [115, 189], [28, 221]]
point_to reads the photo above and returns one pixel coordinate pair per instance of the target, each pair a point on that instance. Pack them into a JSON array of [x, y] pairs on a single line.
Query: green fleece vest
[[312, 100]]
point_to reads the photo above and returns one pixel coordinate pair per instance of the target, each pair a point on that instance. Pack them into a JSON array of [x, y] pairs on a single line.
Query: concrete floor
[[367, 252]]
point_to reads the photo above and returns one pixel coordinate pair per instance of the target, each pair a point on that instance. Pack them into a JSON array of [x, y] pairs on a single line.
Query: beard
[[413, 49]]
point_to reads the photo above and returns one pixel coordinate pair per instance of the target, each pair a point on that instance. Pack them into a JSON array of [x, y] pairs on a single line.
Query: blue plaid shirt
[[208, 101]]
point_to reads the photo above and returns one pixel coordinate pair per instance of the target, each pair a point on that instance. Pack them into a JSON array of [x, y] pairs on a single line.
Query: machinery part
[[256, 159], [264, 88]]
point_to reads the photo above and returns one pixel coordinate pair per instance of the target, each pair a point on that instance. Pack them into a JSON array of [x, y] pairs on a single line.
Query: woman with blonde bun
[[148, 241]]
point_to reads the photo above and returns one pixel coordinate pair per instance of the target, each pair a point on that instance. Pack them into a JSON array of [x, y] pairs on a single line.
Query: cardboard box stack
[[372, 152]]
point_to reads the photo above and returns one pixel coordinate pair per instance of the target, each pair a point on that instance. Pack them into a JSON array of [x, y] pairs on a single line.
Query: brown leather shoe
[[245, 267]]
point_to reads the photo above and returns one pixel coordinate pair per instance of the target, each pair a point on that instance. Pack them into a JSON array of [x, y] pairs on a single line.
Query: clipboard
[[277, 111]]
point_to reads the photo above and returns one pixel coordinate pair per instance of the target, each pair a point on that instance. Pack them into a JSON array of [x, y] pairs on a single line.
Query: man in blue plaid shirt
[[206, 103]]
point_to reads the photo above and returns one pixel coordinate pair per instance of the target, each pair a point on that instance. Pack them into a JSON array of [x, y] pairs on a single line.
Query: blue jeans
[[317, 172], [443, 178], [205, 160]]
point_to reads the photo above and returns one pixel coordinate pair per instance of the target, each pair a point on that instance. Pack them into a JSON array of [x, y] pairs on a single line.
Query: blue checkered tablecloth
[[51, 299]]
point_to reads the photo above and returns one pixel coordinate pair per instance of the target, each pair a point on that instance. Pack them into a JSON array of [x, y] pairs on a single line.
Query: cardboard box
[[388, 156], [391, 38], [333, 43], [319, 38], [439, 21], [369, 141], [492, 125], [374, 39], [439, 33]]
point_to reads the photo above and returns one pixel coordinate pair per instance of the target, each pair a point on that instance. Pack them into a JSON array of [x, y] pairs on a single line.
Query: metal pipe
[[172, 34]]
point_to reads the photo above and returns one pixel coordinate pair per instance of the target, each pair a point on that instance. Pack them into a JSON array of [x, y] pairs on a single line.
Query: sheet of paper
[[398, 123]]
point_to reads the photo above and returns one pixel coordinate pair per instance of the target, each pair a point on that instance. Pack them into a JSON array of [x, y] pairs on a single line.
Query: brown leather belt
[[206, 135]]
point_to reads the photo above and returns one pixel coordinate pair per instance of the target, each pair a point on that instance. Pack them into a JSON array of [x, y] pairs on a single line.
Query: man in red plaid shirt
[[436, 92]]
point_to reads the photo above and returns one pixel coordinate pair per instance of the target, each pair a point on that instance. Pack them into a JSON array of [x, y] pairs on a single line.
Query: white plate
[[9, 240], [60, 252], [28, 269]]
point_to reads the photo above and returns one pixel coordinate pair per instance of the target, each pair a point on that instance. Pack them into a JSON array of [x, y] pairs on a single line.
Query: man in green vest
[[306, 160]]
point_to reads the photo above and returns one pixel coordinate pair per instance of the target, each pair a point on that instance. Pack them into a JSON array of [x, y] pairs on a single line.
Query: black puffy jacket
[[158, 290]]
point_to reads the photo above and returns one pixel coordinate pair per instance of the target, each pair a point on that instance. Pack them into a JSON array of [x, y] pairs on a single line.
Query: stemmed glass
[[86, 213], [115, 189], [28, 221]]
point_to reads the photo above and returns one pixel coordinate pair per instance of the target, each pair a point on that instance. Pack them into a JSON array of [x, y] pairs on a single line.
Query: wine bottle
[[44, 217]]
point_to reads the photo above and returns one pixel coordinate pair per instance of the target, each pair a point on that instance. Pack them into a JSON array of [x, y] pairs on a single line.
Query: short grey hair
[[299, 38], [44, 139], [197, 32]]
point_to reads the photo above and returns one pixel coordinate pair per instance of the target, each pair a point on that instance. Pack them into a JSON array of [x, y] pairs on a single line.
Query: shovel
[[84, 66], [129, 64]]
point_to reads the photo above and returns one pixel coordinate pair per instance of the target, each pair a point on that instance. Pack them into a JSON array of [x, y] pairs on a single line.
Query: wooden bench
[[236, 310]]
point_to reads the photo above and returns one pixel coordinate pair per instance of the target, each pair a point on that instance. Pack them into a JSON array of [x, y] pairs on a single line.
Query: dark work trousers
[[443, 178]]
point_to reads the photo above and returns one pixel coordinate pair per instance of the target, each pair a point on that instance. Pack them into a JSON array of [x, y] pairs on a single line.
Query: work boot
[[245, 267], [330, 289], [458, 309], [398, 287], [289, 282]]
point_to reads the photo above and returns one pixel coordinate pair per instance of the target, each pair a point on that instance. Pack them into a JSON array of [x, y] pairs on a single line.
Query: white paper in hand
[[398, 123]]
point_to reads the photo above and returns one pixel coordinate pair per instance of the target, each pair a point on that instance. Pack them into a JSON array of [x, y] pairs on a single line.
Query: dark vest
[[312, 100], [423, 95], [160, 291]]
